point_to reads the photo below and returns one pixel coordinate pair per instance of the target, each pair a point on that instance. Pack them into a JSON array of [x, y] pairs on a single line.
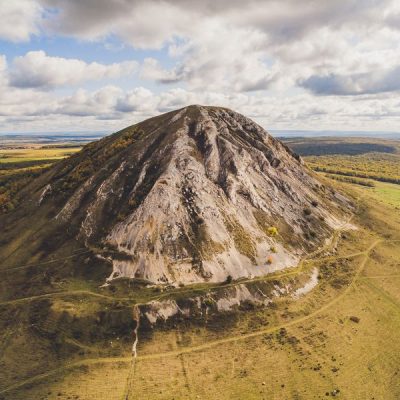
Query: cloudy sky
[[99, 65]]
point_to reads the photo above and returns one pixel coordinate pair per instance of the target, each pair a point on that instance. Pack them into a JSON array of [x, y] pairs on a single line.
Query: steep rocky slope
[[192, 195]]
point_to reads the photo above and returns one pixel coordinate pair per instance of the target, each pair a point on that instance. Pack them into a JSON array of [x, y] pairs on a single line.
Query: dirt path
[[293, 271], [381, 292], [203, 346], [63, 294], [76, 253], [68, 366], [275, 328]]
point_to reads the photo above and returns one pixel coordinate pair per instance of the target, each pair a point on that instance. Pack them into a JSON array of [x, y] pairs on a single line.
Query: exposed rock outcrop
[[192, 196]]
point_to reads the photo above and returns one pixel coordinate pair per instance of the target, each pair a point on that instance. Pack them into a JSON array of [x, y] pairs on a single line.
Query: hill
[[198, 194], [321, 329]]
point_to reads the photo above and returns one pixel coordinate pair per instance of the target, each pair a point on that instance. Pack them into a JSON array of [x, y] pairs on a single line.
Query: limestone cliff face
[[191, 196]]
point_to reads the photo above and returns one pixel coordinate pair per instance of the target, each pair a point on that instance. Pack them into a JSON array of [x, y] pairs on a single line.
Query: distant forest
[[316, 148], [357, 159]]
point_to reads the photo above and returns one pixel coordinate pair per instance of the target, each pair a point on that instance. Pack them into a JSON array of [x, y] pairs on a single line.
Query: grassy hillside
[[69, 339]]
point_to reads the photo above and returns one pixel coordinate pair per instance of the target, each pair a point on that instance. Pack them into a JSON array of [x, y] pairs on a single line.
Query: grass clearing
[[386, 193]]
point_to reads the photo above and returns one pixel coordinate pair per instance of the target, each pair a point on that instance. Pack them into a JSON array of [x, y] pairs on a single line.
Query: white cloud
[[110, 108], [82, 103], [19, 19], [225, 45], [38, 70], [355, 84], [138, 100], [143, 24], [284, 62], [152, 70], [3, 71]]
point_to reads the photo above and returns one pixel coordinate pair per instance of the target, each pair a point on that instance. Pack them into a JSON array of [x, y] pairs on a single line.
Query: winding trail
[[76, 253], [272, 276], [204, 346], [63, 294]]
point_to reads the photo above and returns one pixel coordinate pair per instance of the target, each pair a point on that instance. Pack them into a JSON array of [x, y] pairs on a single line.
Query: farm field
[[35, 154], [374, 166], [386, 192]]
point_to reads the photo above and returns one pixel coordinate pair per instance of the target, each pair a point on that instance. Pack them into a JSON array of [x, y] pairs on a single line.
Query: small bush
[[273, 249], [272, 231], [270, 260], [208, 302], [229, 279], [200, 220], [307, 211], [314, 203], [248, 305], [355, 319]]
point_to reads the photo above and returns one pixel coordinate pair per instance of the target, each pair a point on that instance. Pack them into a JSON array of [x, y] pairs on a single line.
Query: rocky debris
[[236, 296], [308, 286], [156, 310], [241, 294]]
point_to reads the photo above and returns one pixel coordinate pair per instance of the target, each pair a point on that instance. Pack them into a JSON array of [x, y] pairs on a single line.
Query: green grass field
[[340, 340], [382, 192], [386, 192]]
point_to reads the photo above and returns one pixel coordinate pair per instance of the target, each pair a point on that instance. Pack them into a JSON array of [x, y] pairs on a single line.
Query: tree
[[229, 279]]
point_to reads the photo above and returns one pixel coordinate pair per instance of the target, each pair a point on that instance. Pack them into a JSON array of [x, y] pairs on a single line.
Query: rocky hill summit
[[197, 194]]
